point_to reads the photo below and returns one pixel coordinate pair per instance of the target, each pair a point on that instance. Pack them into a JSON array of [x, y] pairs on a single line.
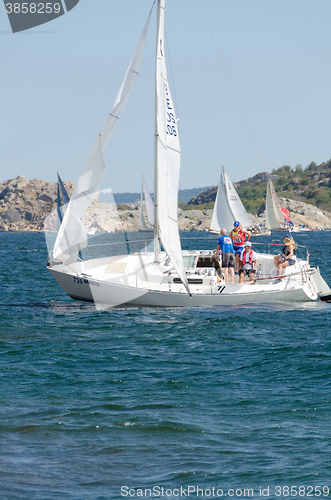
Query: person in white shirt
[[248, 263]]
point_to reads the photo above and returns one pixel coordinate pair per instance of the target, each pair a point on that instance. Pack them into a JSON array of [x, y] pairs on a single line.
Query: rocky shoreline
[[30, 206]]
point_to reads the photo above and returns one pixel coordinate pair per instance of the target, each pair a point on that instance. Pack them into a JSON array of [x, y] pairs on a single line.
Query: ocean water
[[160, 403]]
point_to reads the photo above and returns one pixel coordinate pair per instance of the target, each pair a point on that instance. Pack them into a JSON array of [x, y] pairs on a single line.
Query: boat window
[[188, 261], [192, 281], [205, 262]]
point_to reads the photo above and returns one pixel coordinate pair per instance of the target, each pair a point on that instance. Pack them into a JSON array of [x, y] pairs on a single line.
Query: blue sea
[[160, 403]]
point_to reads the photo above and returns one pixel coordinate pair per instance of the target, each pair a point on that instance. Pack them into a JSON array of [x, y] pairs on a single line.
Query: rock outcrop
[[204, 197], [303, 213], [31, 206], [25, 204]]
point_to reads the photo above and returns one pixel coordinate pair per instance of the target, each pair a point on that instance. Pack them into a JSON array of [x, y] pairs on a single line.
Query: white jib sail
[[167, 159], [72, 234], [222, 216], [228, 207], [273, 215]]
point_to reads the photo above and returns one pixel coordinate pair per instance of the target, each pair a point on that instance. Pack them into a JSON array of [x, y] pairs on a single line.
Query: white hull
[[136, 281]]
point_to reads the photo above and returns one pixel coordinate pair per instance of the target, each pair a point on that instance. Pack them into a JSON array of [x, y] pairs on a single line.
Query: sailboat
[[149, 206], [228, 207], [274, 217], [62, 200], [161, 274]]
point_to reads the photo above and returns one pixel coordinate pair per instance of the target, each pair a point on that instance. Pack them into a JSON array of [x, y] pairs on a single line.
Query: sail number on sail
[[171, 129]]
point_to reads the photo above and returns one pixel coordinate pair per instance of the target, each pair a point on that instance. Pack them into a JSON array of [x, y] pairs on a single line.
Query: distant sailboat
[[274, 218], [62, 200], [149, 206], [228, 207]]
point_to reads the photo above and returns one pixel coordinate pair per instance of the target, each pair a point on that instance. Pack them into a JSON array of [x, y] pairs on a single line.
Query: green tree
[[311, 166]]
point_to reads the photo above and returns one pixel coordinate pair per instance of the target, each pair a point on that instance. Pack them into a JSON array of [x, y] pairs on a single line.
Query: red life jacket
[[250, 257], [238, 238]]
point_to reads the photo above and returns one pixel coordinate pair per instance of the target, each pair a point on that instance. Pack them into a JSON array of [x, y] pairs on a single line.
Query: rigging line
[[227, 74]]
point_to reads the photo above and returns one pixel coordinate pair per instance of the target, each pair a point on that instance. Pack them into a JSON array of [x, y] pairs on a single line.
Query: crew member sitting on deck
[[225, 247], [248, 260], [288, 257], [238, 236]]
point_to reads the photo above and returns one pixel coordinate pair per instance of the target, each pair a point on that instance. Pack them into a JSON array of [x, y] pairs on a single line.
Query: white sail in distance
[[59, 208], [167, 159], [149, 202], [142, 223], [149, 206], [65, 197], [273, 215], [64, 192], [228, 207], [72, 234]]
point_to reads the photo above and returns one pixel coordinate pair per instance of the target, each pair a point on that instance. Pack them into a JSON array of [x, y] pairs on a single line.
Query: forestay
[[72, 234]]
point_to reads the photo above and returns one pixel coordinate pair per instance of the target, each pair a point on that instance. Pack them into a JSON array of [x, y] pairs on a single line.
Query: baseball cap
[[248, 244], [236, 224]]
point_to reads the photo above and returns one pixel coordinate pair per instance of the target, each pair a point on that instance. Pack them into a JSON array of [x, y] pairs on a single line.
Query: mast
[[156, 145], [167, 162]]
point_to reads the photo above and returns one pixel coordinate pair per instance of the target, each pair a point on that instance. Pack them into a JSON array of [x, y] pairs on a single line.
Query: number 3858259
[[33, 8]]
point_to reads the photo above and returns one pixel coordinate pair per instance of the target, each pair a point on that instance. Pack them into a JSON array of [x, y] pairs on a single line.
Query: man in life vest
[[225, 248], [238, 236], [248, 261]]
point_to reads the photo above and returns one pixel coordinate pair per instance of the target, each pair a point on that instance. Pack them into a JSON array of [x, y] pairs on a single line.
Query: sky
[[250, 81]]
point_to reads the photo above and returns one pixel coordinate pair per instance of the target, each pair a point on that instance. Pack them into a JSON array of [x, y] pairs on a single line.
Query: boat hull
[[123, 292]]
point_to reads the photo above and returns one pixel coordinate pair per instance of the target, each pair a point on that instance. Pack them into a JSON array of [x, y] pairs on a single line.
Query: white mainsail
[[72, 234], [273, 215], [228, 207], [167, 160]]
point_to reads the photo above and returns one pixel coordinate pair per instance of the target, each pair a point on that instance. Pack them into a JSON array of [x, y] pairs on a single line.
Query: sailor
[[238, 236], [248, 260], [225, 247], [288, 256]]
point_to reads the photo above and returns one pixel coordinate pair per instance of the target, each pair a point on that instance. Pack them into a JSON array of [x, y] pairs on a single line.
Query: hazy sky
[[59, 81]]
